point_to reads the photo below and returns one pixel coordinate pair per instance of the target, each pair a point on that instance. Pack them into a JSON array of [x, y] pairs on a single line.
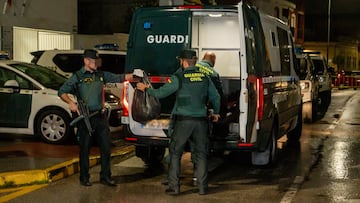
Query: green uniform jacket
[[90, 86], [192, 93], [207, 68]]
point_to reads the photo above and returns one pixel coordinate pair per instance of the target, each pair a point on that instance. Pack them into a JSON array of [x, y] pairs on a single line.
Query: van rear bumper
[[144, 140], [148, 140]]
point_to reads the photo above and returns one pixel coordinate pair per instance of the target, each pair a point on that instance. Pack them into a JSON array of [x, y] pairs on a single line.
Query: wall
[[49, 15], [89, 41], [40, 14], [342, 55]]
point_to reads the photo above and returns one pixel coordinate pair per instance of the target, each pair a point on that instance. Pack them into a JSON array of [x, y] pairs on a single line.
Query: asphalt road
[[323, 167]]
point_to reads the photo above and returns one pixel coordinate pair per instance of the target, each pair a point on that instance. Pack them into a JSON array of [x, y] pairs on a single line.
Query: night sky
[[108, 16], [344, 21]]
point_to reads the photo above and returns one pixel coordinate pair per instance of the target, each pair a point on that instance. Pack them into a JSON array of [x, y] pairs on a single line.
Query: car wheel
[[53, 126], [269, 156]]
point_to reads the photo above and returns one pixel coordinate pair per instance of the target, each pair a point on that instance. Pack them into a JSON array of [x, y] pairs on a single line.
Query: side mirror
[[13, 85]]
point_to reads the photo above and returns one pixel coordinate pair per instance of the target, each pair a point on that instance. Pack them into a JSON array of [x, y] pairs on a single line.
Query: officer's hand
[[132, 78], [74, 107], [216, 117], [141, 86]]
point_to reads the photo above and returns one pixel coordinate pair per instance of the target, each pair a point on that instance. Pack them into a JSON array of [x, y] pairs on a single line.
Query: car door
[[15, 100]]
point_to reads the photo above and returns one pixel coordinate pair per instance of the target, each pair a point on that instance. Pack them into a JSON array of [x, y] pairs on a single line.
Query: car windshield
[[319, 66], [43, 75]]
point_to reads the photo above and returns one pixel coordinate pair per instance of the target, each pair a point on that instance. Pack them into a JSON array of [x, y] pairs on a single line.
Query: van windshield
[[319, 66]]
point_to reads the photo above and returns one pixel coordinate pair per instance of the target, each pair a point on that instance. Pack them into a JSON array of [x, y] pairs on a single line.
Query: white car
[[30, 104], [66, 62], [309, 87]]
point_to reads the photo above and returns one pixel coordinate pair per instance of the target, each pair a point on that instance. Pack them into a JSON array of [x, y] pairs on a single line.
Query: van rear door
[[156, 37]]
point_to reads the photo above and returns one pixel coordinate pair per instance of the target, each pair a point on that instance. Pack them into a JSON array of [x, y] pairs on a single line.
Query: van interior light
[[215, 15]]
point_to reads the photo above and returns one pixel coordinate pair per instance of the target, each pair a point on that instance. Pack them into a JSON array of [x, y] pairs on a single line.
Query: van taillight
[[159, 79], [260, 100], [125, 102]]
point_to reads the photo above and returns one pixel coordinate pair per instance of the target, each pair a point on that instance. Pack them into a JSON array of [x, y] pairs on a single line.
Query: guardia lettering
[[167, 39]]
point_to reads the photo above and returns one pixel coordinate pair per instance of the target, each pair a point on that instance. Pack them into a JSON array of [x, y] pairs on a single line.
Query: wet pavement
[[34, 162], [326, 166], [336, 176]]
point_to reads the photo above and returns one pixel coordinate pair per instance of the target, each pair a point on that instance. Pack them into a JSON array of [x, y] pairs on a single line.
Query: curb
[[53, 173]]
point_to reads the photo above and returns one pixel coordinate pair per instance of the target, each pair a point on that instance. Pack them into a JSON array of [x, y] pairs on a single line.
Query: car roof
[[76, 51]]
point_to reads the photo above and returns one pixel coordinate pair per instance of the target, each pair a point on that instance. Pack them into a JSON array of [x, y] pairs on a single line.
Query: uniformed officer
[[193, 89], [90, 83], [206, 65]]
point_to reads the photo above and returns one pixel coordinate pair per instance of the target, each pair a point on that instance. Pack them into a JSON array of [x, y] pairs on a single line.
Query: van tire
[[295, 134], [269, 156], [150, 155]]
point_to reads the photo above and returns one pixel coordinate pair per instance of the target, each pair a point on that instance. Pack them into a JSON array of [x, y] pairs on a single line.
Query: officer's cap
[[187, 54], [91, 53]]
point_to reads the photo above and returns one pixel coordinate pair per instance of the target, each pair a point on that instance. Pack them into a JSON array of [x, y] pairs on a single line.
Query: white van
[[255, 60]]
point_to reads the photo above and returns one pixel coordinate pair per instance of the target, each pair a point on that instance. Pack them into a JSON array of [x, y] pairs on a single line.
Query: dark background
[[344, 20], [114, 16]]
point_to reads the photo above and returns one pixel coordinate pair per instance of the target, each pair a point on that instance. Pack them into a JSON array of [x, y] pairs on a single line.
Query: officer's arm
[[67, 88], [165, 90], [119, 78], [114, 78], [214, 97]]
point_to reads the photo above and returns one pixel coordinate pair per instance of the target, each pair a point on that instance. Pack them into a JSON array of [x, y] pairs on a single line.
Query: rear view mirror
[[13, 84]]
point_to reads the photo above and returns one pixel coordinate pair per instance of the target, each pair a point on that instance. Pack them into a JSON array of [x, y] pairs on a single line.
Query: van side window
[[113, 63], [256, 50], [285, 47]]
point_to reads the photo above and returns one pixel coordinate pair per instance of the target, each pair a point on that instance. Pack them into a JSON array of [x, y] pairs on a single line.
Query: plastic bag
[[144, 106]]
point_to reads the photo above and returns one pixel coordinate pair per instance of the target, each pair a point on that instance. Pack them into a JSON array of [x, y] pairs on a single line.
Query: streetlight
[[328, 37]]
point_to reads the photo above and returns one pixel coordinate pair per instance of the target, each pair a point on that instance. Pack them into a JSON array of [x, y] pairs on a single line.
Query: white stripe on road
[[290, 194], [299, 180]]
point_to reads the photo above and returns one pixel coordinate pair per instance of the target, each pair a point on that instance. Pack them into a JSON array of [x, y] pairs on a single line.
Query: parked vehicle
[[309, 87], [30, 104], [4, 55], [323, 75], [66, 62], [255, 59], [347, 79]]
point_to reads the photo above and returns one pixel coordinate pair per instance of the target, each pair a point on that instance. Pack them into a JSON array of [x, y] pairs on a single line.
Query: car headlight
[[321, 79]]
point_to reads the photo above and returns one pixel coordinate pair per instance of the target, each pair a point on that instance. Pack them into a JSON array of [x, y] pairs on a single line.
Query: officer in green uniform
[[90, 83], [206, 65], [193, 90]]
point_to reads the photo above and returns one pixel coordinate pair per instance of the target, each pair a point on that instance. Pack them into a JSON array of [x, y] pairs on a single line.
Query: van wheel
[[53, 126], [269, 156], [295, 134], [151, 155]]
